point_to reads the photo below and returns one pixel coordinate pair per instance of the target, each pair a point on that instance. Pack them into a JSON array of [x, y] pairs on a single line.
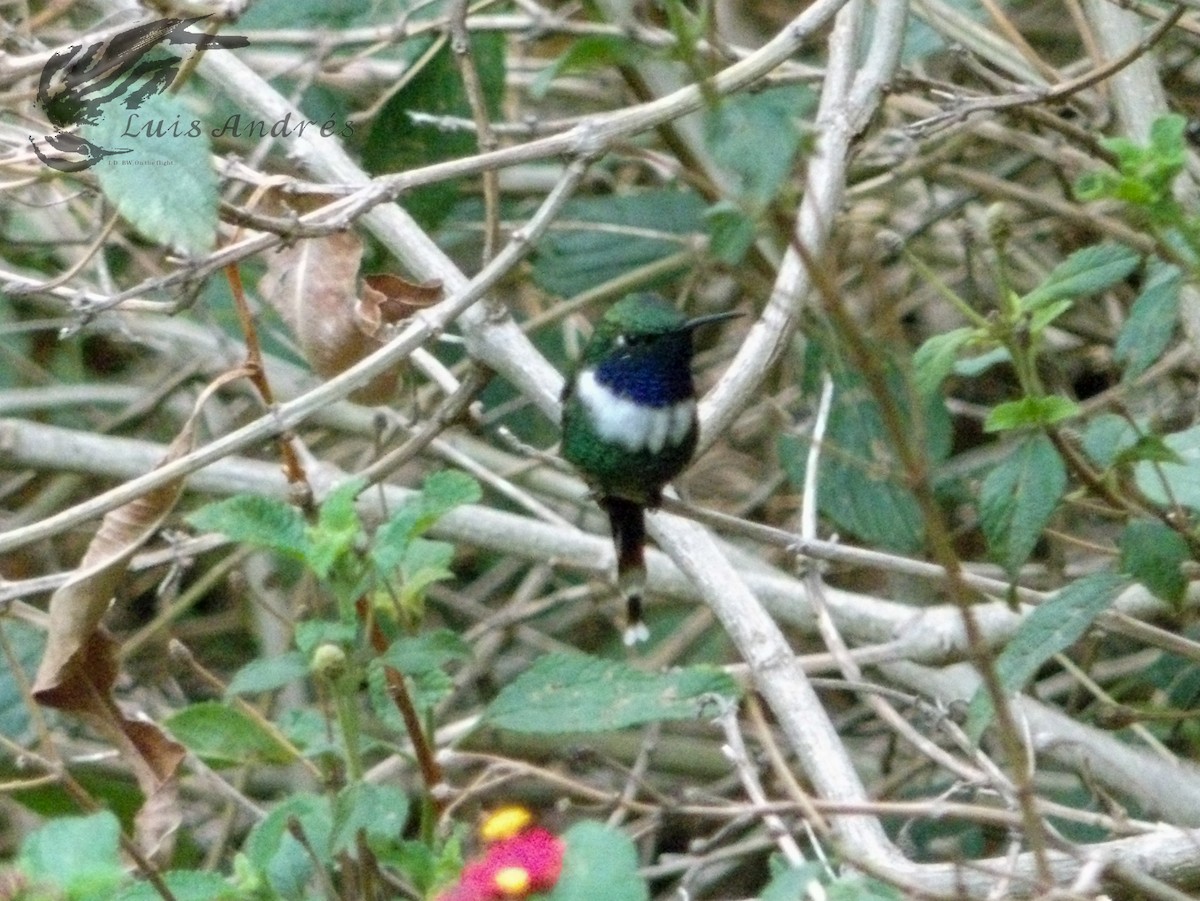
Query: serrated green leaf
[[1053, 626], [424, 563], [256, 520], [77, 854], [578, 693], [337, 528], [427, 651], [1017, 499], [1151, 322], [1182, 477], [934, 360], [1153, 553], [599, 863], [268, 674], [224, 736], [166, 186], [863, 486], [378, 811], [441, 493], [756, 137], [1030, 412], [568, 261], [1084, 272]]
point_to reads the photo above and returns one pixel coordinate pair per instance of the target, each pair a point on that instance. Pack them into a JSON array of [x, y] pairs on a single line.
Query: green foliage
[[77, 855], [268, 673], [863, 486], [225, 736], [1017, 499], [398, 143], [376, 812], [1151, 322], [277, 858], [1175, 480], [1054, 626], [577, 693], [166, 187], [27, 644], [256, 520], [798, 883], [600, 863], [1030, 412], [185, 885], [1144, 173], [571, 260], [1153, 554], [1085, 272], [584, 55]]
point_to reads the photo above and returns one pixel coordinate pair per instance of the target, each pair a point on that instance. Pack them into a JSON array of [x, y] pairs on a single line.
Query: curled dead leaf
[[387, 300]]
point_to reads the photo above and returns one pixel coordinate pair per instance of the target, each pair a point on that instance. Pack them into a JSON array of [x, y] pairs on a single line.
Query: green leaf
[[27, 643], [756, 137], [378, 811], [934, 360], [268, 674], [185, 885], [790, 883], [1084, 272], [427, 651], [1030, 412], [1106, 437], [856, 887], [1053, 626], [424, 563], [337, 528], [577, 693], [397, 142], [441, 493], [77, 854], [256, 520], [1017, 499], [311, 633], [1153, 553], [569, 260], [1182, 477], [730, 232], [599, 863], [585, 54], [1151, 322], [863, 487], [281, 859], [166, 186], [224, 736]]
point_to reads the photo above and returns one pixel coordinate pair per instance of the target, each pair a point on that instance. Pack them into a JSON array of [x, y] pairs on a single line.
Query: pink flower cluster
[[512, 866]]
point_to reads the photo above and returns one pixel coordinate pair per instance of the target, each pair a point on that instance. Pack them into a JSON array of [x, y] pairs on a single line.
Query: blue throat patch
[[656, 376]]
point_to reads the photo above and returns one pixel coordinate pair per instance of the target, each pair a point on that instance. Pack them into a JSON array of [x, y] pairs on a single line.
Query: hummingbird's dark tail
[[628, 521]]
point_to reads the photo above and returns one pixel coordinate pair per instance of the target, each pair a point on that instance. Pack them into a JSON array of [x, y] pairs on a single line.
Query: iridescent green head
[[644, 321]]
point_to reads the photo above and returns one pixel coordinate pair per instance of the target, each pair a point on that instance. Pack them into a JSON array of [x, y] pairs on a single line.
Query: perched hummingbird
[[629, 423]]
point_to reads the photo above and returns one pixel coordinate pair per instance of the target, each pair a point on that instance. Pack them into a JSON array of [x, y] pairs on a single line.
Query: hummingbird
[[629, 424]]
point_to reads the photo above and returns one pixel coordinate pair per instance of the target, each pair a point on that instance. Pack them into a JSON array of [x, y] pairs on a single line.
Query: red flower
[[511, 868]]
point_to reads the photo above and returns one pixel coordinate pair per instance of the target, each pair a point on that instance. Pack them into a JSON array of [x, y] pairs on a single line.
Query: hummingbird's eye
[[619, 341]]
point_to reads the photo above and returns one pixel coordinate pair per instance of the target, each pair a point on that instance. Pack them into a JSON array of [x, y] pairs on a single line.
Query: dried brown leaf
[[387, 300], [80, 663], [313, 284]]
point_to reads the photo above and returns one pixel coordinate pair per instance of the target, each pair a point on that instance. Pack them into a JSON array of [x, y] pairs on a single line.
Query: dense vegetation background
[[283, 326]]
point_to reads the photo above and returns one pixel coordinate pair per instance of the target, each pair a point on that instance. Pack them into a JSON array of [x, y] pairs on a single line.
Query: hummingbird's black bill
[[711, 317]]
